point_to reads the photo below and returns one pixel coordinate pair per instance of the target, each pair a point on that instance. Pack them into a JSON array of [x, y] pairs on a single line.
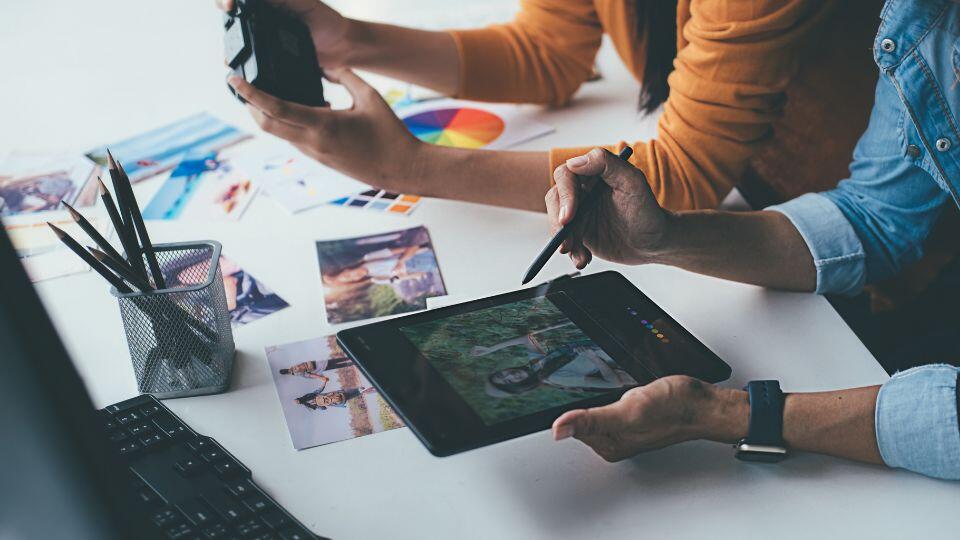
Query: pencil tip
[[73, 212], [111, 163], [103, 188], [56, 230]]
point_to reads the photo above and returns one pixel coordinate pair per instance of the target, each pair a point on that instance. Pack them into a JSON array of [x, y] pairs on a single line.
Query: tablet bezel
[[442, 420]]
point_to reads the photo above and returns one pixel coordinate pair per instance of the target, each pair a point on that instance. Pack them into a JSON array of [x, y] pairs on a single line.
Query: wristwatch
[[764, 440]]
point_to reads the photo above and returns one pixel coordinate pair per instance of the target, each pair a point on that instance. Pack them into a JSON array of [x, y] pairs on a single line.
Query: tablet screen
[[516, 359]]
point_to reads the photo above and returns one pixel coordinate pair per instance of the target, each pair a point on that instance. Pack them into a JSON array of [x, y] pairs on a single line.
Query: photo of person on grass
[[516, 359]]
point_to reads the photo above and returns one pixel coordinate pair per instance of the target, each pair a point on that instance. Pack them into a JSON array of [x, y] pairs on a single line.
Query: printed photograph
[[161, 149], [35, 182], [380, 275], [517, 359], [293, 181], [247, 298], [324, 397], [202, 188]]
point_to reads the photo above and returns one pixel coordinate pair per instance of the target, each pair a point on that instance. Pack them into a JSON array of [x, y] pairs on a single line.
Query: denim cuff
[[836, 249], [916, 421]]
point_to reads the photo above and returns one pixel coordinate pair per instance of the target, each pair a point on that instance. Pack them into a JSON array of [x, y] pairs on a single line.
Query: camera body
[[273, 51]]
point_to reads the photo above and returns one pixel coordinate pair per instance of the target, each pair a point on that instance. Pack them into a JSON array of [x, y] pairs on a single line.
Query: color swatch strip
[[380, 201]]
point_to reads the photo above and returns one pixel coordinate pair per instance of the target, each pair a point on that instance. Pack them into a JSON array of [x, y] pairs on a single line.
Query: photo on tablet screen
[[516, 359], [378, 275]]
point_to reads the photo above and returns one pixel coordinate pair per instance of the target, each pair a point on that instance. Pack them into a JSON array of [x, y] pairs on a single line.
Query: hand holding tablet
[[486, 371]]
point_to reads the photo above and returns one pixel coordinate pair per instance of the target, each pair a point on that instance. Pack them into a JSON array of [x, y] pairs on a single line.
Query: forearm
[[761, 248], [839, 423], [421, 57], [495, 177]]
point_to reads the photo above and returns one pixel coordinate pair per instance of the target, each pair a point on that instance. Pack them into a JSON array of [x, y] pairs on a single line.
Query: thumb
[[614, 171], [361, 92], [591, 422]]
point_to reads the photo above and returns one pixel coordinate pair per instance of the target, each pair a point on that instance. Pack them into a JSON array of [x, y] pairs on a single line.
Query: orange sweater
[[735, 61]]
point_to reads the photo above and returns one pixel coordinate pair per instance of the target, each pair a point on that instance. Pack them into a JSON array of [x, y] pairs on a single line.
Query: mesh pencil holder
[[179, 337]]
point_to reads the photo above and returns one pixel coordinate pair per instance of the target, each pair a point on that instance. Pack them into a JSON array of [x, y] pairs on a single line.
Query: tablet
[[481, 372]]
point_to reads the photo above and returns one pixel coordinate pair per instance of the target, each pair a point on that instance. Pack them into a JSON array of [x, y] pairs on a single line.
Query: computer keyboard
[[189, 486]]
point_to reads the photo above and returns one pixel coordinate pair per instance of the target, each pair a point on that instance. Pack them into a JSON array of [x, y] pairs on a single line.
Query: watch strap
[[766, 413]]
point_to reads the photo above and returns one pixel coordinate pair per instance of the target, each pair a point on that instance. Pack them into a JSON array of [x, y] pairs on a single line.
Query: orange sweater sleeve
[[734, 63], [542, 56]]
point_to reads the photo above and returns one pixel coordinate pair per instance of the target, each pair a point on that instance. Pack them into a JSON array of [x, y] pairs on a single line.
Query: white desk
[[56, 94]]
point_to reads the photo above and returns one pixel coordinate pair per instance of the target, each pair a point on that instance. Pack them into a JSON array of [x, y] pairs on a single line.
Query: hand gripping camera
[[273, 51]]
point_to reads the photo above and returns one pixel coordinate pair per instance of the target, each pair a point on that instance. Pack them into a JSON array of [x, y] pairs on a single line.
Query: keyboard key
[[180, 532], [216, 531], [256, 504], [148, 497], [189, 467], [197, 512], [149, 410], [250, 528], [118, 436], [129, 448], [241, 489], [110, 425], [228, 470], [295, 533], [226, 507], [214, 454], [167, 518], [274, 519], [128, 417], [201, 444], [151, 440], [264, 536], [139, 429], [171, 426]]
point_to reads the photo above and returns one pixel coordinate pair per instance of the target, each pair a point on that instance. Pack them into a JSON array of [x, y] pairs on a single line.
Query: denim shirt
[[906, 167]]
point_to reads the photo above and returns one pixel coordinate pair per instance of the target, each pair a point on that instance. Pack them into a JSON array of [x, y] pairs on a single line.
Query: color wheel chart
[[460, 127]]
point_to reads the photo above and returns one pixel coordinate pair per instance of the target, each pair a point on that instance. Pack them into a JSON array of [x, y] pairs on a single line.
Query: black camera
[[273, 51]]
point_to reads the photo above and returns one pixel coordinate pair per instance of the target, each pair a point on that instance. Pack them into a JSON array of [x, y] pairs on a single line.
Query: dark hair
[[657, 25], [529, 383], [305, 400], [284, 371]]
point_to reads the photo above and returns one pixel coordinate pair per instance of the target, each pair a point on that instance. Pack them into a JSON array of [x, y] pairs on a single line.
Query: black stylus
[[564, 231]]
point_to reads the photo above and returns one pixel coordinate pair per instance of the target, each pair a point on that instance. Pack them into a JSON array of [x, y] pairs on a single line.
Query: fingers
[[598, 421], [224, 5], [617, 173], [286, 111], [567, 186], [290, 132], [361, 92], [552, 200]]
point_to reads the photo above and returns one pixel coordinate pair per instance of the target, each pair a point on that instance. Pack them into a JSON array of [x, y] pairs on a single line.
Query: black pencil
[[134, 255], [115, 218], [120, 268], [141, 229], [564, 231], [90, 260], [92, 232]]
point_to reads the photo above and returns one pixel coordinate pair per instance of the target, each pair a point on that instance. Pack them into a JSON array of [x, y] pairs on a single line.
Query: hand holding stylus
[[625, 223]]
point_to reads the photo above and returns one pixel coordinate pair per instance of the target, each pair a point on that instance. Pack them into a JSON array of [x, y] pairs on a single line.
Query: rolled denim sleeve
[[916, 421], [836, 249]]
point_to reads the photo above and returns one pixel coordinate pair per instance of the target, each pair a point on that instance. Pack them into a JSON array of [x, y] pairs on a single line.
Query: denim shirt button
[[888, 45], [943, 144], [913, 151]]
